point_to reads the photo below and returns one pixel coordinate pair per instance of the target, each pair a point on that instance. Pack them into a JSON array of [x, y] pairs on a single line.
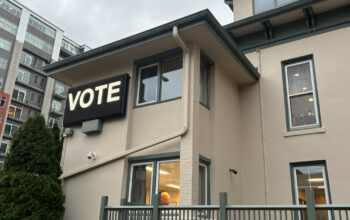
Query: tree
[[29, 184], [58, 141]]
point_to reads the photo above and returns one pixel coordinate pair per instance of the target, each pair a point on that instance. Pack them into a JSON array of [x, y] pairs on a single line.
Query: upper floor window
[[4, 148], [56, 106], [60, 90], [2, 101], [15, 111], [69, 47], [11, 8], [204, 81], [301, 95], [23, 75], [51, 122], [8, 26], [26, 58], [41, 26], [5, 44], [10, 129], [265, 5], [39, 43], [19, 93], [3, 63], [160, 80]]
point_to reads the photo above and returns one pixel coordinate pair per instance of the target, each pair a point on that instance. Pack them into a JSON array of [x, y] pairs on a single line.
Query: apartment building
[[27, 43], [257, 108]]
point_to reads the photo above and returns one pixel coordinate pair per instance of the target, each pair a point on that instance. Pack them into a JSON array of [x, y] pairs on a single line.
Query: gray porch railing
[[310, 211]]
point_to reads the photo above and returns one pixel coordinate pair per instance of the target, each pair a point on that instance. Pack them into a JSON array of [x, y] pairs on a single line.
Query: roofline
[[271, 13], [201, 17]]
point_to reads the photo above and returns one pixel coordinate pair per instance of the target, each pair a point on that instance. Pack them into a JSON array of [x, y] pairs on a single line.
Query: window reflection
[[169, 183]]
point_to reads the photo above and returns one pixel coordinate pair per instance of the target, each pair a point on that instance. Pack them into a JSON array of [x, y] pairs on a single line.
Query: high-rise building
[[27, 43]]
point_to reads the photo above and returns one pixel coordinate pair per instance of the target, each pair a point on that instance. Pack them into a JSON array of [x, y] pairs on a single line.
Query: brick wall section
[[189, 149]]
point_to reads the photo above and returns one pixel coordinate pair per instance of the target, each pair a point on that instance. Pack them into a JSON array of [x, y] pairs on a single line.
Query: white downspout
[[181, 132]]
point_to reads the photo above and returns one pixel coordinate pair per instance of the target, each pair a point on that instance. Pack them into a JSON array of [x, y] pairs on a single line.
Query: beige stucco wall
[[242, 9], [331, 52]]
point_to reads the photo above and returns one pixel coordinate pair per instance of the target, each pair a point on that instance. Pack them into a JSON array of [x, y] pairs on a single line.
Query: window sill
[[305, 131]]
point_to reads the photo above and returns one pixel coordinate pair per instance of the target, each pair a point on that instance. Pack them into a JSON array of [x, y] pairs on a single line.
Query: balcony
[[57, 112], [25, 84], [60, 94], [26, 103]]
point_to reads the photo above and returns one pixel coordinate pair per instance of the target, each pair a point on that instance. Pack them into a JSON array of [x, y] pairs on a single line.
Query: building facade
[[27, 43], [257, 108]]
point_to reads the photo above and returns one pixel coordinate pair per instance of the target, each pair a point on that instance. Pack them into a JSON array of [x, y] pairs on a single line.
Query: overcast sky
[[98, 22]]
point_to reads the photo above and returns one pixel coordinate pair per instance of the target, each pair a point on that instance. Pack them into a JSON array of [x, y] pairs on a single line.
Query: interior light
[[311, 99], [316, 180], [296, 74], [173, 186], [161, 171], [309, 113], [304, 88]]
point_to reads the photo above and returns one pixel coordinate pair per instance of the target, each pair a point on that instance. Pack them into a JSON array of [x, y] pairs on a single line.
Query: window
[[69, 47], [56, 106], [39, 43], [1, 80], [5, 44], [15, 111], [161, 80], [11, 8], [36, 79], [39, 98], [32, 96], [41, 26], [313, 176], [202, 189], [10, 129], [26, 58], [42, 82], [3, 63], [60, 90], [23, 75], [265, 5], [300, 94], [204, 81], [19, 93], [4, 148], [168, 185], [8, 26], [51, 122], [2, 101], [141, 184]]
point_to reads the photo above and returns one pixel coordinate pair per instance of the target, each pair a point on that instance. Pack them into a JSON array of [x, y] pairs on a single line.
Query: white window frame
[[158, 168], [23, 75], [3, 63], [12, 125], [131, 175], [139, 84], [5, 44], [54, 108], [16, 107], [313, 92], [21, 90], [7, 147], [25, 57]]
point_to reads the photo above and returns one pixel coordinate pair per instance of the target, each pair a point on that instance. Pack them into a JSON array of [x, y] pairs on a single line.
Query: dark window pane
[[263, 5], [7, 129], [204, 83], [201, 188], [141, 185], [302, 110], [171, 78], [284, 2], [299, 78], [3, 148], [148, 84]]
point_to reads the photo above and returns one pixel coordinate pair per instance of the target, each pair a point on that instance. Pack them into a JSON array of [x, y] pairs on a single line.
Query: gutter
[[180, 133]]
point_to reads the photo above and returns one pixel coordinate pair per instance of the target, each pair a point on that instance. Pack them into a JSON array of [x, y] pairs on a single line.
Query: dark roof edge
[[271, 13], [166, 29]]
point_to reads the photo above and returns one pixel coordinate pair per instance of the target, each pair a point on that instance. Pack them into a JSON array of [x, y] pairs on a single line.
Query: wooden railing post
[[223, 203], [155, 204], [104, 203], [310, 203]]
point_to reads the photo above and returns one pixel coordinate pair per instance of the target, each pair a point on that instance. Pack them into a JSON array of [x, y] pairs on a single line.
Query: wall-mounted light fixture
[[67, 132], [233, 171]]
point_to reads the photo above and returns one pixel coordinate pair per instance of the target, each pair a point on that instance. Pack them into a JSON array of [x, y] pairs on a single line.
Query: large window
[[41, 26], [160, 80], [8, 26], [56, 106], [5, 44], [23, 75], [60, 90], [51, 122], [204, 81], [301, 95], [3, 63], [310, 176], [69, 47], [10, 129], [39, 43], [11, 8], [15, 111], [19, 93], [4, 148], [26, 58], [265, 5]]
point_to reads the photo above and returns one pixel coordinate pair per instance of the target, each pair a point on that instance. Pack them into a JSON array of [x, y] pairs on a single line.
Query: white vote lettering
[[73, 101], [112, 91], [100, 89], [91, 98]]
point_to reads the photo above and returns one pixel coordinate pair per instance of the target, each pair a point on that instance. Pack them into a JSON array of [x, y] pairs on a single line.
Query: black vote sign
[[97, 100]]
